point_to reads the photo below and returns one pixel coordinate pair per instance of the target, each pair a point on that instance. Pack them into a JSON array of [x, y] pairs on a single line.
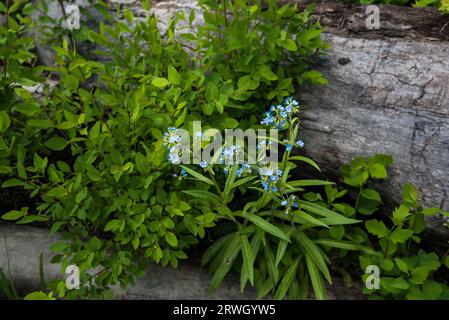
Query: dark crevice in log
[[348, 19]]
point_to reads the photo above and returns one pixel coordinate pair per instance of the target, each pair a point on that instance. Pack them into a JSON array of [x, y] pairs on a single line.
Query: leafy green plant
[[406, 271], [89, 153], [273, 241]]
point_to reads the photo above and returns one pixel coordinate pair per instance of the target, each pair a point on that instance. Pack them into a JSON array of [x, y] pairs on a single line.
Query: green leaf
[[40, 123], [214, 248], [56, 144], [345, 245], [13, 183], [312, 250], [402, 265], [400, 283], [309, 182], [247, 258], [290, 45], [242, 181], [197, 175], [376, 228], [282, 247], [32, 218], [232, 248], [315, 277], [409, 194], [313, 76], [419, 275], [306, 160], [265, 225], [371, 194], [266, 72], [160, 82], [38, 295], [171, 239], [401, 235], [59, 246], [203, 194], [5, 122], [331, 217], [309, 218], [287, 280], [173, 75], [13, 215], [401, 213]]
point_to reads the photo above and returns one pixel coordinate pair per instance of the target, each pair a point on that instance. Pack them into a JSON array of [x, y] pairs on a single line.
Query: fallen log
[[20, 247], [388, 93]]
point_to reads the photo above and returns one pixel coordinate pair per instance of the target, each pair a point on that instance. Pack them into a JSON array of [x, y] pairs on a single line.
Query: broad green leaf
[[307, 160], [265, 225], [308, 183], [203, 194], [287, 280], [214, 248], [401, 212], [371, 194], [160, 82], [315, 277], [171, 239], [173, 75], [56, 144], [313, 252], [247, 258], [40, 123], [344, 245], [197, 175], [401, 235], [4, 121], [13, 215], [376, 228], [232, 250]]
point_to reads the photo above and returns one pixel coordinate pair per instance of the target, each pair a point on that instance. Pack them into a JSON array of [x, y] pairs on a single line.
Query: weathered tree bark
[[388, 93], [20, 247]]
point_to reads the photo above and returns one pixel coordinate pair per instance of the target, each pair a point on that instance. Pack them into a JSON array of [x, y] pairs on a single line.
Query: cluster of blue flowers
[[269, 177], [170, 139], [278, 116], [289, 203], [230, 153]]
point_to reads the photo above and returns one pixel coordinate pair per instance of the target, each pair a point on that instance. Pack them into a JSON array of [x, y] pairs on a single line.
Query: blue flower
[[203, 164], [226, 171], [199, 134], [173, 158], [183, 172], [246, 168], [269, 177], [299, 143], [171, 137], [284, 203], [288, 147], [294, 204]]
